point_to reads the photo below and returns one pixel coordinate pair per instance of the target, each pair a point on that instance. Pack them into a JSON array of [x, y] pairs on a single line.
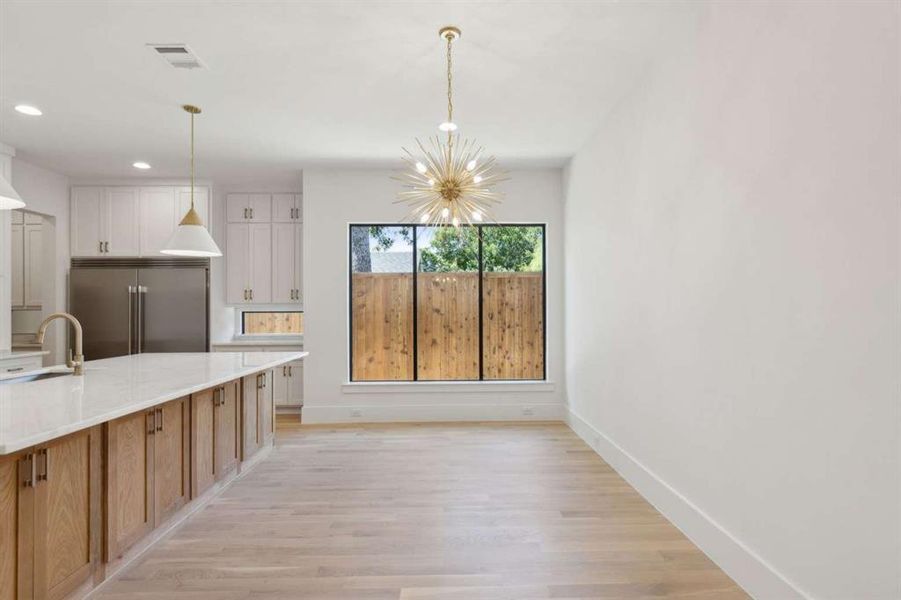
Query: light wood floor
[[426, 512]]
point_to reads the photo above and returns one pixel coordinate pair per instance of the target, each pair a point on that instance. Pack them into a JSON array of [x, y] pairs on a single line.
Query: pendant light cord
[[192, 161]]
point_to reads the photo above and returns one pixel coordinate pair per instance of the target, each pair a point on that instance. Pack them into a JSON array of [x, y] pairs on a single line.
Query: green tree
[[503, 249], [384, 237]]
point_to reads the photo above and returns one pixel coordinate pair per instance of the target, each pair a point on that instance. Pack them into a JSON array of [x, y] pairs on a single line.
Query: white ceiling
[[291, 84]]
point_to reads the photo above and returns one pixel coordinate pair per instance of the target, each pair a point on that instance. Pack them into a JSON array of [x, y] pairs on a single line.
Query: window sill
[[433, 387]]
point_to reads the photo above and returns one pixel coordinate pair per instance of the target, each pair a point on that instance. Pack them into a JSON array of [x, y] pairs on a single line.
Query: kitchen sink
[[34, 377]]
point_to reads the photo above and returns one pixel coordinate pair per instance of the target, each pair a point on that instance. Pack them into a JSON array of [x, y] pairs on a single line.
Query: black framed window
[[447, 304]]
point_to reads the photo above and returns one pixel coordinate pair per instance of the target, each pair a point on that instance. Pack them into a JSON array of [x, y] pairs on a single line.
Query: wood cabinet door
[[250, 430], [120, 222], [227, 418], [237, 258], [16, 526], [171, 480], [129, 481], [266, 407], [260, 266], [67, 522], [158, 218], [85, 234], [283, 262], [203, 440]]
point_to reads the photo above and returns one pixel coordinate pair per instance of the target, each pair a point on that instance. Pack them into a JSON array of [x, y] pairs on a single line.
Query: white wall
[[47, 192], [333, 198], [732, 294]]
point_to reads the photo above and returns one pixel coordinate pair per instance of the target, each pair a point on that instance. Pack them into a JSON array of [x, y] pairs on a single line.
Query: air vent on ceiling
[[179, 56]]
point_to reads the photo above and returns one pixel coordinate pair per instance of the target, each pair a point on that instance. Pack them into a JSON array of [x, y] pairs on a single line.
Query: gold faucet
[[76, 363]]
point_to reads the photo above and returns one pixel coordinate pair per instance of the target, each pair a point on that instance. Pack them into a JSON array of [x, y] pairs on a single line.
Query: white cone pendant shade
[[9, 199], [191, 238]]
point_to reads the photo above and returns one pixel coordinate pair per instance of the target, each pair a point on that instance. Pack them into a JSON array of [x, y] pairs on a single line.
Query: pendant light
[[191, 238], [449, 182], [9, 198]]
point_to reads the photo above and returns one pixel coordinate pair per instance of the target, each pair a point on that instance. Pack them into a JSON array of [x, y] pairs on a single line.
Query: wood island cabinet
[[215, 423], [147, 472], [50, 514], [258, 413]]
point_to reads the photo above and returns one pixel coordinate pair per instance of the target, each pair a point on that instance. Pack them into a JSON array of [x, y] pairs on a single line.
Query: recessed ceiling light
[[140, 165], [31, 111]]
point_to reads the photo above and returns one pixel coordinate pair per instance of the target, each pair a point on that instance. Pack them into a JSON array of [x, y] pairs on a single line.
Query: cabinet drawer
[[21, 365]]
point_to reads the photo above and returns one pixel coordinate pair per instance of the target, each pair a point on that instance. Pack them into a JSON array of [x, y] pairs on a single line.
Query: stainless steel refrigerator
[[130, 306]]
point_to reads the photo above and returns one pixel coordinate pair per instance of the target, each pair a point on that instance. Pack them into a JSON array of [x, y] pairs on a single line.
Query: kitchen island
[[94, 468]]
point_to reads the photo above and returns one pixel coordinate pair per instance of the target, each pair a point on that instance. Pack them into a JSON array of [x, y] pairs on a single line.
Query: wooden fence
[[448, 326]]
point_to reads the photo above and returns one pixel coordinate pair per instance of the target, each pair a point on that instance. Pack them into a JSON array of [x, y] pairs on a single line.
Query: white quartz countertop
[[38, 411]]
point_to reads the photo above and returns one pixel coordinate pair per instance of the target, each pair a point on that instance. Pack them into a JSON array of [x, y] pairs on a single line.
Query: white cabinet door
[[283, 206], [34, 256], [283, 262], [237, 258], [120, 222], [85, 218], [158, 218], [295, 383], [260, 208], [280, 386], [18, 217], [201, 204], [17, 264], [298, 263], [260, 263], [237, 209]]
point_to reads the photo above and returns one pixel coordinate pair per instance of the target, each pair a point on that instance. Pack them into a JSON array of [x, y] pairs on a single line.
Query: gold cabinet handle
[[100, 248], [245, 213], [29, 470], [106, 247], [159, 419], [44, 466], [290, 371], [151, 422], [251, 214]]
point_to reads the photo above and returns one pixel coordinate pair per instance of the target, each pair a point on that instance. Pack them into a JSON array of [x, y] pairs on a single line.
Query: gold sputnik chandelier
[[449, 182]]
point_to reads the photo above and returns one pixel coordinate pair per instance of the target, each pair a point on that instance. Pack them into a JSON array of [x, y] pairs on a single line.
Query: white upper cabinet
[[237, 257], [86, 230], [120, 227], [158, 215], [34, 256], [283, 262], [248, 208], [263, 248], [17, 259], [130, 221], [286, 208]]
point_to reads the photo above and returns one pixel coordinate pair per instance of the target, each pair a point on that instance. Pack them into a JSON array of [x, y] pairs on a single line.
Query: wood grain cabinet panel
[[67, 523], [250, 433], [129, 481], [16, 526], [203, 450], [228, 422], [171, 442], [266, 403]]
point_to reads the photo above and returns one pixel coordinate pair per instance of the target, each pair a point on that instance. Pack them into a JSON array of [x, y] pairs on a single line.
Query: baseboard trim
[[755, 575], [402, 413]]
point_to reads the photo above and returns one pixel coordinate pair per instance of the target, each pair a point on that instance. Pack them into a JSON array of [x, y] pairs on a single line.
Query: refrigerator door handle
[[131, 318], [140, 318]]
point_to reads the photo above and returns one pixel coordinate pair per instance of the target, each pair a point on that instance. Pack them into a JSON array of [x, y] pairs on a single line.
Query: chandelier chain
[[450, 101], [192, 161]]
